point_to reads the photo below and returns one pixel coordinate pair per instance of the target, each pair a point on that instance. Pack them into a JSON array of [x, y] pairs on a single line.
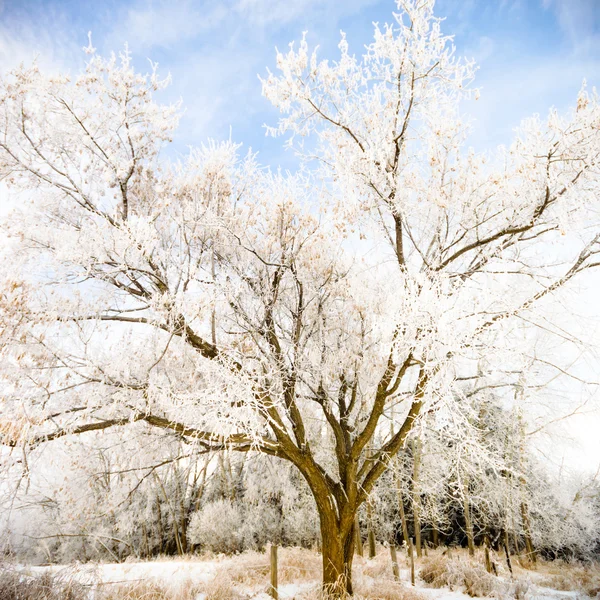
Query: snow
[[533, 593], [168, 571], [175, 573]]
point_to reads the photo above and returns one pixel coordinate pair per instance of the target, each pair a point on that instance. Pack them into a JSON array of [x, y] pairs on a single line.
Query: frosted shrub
[[217, 527], [440, 571], [301, 524], [261, 525]]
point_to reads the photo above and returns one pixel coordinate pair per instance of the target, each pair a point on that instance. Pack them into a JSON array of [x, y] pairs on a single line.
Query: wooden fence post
[[395, 568], [506, 552], [359, 544], [486, 553], [273, 589]]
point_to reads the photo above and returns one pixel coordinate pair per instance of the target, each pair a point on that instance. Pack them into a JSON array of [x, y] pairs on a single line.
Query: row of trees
[[90, 500], [227, 307]]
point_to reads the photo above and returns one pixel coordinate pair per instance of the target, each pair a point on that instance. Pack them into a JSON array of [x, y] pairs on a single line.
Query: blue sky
[[532, 53]]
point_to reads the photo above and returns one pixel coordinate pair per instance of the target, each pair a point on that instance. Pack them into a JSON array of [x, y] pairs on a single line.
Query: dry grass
[[572, 578], [299, 564], [220, 588], [246, 575], [252, 569], [18, 586], [374, 579], [459, 572], [147, 590], [386, 590], [379, 567]]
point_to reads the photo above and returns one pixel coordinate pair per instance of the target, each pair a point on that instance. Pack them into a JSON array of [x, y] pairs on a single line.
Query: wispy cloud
[[47, 38], [579, 20], [160, 24]]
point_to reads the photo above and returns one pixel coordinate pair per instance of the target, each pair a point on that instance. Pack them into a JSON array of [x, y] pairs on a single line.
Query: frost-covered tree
[[285, 314], [102, 495]]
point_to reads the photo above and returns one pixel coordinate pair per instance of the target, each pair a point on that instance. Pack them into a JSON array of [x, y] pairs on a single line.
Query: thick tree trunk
[[338, 553]]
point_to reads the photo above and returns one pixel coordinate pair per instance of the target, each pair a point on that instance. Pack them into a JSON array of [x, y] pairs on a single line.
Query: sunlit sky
[[533, 54]]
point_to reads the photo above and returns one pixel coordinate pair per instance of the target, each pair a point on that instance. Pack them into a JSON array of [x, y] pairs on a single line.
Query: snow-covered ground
[[200, 573], [167, 572]]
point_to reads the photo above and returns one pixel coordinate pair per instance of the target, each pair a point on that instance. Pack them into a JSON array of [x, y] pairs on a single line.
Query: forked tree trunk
[[338, 553]]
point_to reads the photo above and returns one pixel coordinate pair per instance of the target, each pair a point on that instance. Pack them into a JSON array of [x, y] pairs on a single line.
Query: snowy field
[[246, 577]]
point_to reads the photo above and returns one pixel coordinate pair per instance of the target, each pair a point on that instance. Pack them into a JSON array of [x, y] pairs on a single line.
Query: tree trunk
[[416, 496], [372, 542], [338, 553], [531, 555], [436, 536], [359, 544], [506, 551], [486, 549], [402, 513], [370, 528], [394, 556], [468, 523]]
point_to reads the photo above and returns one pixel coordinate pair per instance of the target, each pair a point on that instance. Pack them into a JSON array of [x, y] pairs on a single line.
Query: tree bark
[[436, 536], [531, 555], [506, 551], [371, 536], [468, 522], [402, 514], [273, 590], [416, 496], [338, 554], [394, 556], [359, 543]]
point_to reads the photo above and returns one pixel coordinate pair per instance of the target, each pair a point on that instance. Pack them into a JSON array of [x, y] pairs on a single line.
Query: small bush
[[456, 573], [216, 527], [434, 571]]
